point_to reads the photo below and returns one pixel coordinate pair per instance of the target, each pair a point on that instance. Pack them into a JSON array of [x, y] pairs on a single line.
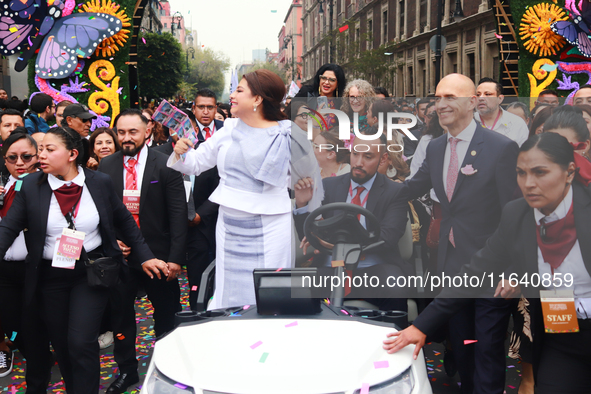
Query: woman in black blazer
[[545, 232], [70, 308]]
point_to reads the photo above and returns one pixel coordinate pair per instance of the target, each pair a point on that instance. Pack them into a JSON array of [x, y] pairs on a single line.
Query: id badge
[[560, 314], [68, 249], [131, 199]]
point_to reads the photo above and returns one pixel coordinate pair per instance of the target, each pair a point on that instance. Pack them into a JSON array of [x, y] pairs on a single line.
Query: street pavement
[[15, 382]]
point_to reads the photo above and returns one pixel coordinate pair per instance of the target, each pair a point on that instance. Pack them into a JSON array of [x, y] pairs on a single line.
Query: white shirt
[[139, 167], [509, 125], [211, 127], [18, 250], [573, 263], [462, 146], [86, 220]]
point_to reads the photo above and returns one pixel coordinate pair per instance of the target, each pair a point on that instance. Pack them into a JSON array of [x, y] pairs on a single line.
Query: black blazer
[[513, 248], [163, 207], [205, 184], [30, 211], [387, 200], [478, 199]]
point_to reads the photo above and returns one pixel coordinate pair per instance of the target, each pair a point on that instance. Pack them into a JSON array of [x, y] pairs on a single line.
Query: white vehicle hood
[[279, 355]]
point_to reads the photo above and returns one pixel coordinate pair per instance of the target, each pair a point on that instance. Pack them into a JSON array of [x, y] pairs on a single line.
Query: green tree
[[206, 70], [267, 66], [160, 65]]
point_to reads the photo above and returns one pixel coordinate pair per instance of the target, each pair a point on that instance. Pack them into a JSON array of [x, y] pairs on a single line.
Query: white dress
[[254, 222]]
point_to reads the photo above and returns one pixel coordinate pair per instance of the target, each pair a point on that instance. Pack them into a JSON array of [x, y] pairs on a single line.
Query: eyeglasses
[[304, 115], [203, 107], [356, 98], [324, 79], [12, 159]]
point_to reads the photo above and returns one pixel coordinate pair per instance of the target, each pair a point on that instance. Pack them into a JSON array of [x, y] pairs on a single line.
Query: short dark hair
[[15, 136], [498, 86], [556, 148], [269, 86], [520, 105], [568, 117], [96, 133], [130, 112], [221, 112], [550, 92], [10, 112], [40, 102], [422, 101], [206, 93], [63, 103], [381, 90]]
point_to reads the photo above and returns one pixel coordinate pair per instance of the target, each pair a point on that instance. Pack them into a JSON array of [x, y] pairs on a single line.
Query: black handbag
[[102, 272]]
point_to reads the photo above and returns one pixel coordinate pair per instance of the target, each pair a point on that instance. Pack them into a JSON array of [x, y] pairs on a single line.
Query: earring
[[319, 91], [255, 108]]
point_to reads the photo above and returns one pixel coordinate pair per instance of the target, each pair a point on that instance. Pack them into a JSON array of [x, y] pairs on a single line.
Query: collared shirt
[[18, 250], [139, 167], [573, 263], [86, 220], [367, 185], [465, 138], [201, 127], [509, 125]]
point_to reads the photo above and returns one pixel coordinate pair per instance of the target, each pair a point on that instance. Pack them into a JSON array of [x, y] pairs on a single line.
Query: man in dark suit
[[161, 214], [387, 200], [472, 171], [201, 233]]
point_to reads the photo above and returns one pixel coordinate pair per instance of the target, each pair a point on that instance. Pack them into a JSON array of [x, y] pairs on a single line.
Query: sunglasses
[[12, 159]]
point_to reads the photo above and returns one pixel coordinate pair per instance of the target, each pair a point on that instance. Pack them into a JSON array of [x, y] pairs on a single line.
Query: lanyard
[[351, 194], [496, 120]]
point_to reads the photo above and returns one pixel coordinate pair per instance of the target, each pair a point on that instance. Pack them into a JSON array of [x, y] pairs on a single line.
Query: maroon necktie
[[561, 236], [67, 197]]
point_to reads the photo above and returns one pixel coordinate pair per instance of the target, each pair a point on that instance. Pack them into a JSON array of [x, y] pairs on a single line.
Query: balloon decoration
[[54, 37]]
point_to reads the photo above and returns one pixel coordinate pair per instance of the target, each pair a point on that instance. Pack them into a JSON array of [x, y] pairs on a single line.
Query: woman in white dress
[[252, 154]]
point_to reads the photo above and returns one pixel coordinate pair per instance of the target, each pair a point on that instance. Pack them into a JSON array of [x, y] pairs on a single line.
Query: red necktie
[[452, 177], [357, 199], [67, 197], [208, 133], [8, 198], [131, 181]]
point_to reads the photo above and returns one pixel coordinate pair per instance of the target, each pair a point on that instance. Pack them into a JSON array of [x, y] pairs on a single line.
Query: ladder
[[509, 50]]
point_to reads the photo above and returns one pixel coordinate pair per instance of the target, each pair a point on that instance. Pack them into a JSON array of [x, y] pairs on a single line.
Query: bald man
[[472, 171]]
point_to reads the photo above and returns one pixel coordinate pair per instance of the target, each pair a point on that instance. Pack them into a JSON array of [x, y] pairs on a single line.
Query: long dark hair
[[556, 148], [96, 133], [338, 72]]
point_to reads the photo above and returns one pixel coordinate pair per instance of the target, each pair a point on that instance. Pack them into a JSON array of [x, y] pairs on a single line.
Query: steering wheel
[[342, 226]]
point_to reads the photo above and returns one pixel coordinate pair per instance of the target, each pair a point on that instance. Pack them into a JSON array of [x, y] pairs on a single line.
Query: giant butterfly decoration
[[30, 26], [577, 31]]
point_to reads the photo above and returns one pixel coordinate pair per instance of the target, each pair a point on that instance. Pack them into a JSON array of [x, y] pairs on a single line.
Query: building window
[[165, 25], [471, 66], [370, 34], [384, 27], [411, 81], [401, 22], [423, 15]]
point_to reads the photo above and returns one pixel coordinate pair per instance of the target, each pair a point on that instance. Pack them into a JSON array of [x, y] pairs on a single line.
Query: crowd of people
[[478, 176]]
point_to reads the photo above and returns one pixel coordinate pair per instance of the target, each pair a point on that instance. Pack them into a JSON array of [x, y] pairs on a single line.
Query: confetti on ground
[[381, 364]]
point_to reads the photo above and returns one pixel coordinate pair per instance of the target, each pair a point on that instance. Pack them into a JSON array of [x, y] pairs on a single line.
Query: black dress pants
[[72, 312], [25, 322], [199, 255], [165, 298]]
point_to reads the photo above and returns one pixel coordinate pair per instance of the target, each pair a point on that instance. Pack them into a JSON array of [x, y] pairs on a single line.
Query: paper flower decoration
[[536, 33], [111, 44]]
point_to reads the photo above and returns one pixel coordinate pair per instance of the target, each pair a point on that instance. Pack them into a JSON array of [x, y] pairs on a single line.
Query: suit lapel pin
[[473, 153]]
